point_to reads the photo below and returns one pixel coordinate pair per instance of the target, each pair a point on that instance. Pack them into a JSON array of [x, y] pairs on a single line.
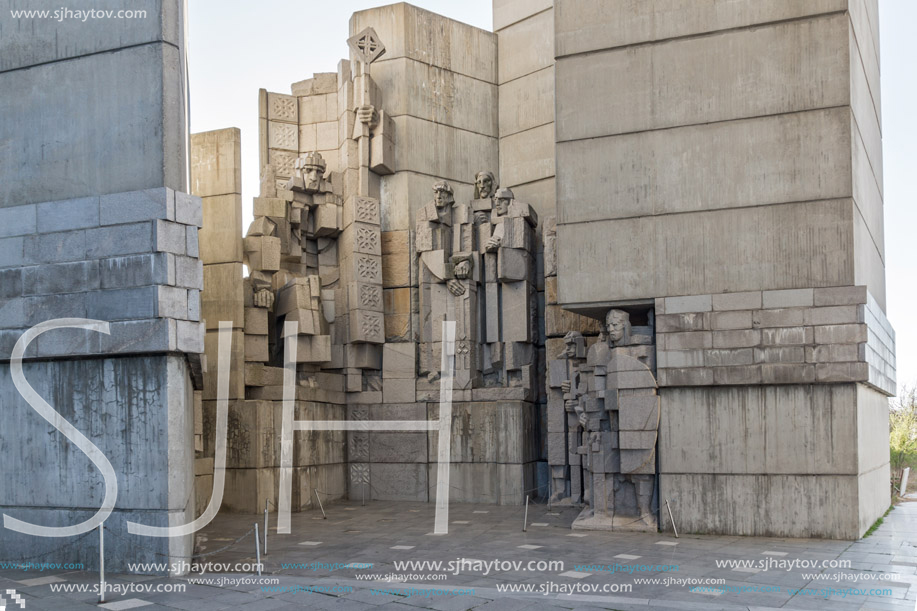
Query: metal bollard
[[257, 549], [525, 519], [102, 562], [265, 527], [324, 517], [671, 518]]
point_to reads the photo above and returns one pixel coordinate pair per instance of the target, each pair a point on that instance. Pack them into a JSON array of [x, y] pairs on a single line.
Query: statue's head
[[502, 198], [312, 169], [442, 194], [484, 184], [571, 342], [617, 324]]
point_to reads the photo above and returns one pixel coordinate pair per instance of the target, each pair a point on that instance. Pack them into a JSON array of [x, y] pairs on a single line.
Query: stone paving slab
[[315, 567]]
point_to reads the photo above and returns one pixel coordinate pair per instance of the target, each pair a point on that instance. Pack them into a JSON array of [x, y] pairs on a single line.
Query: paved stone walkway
[[367, 541]]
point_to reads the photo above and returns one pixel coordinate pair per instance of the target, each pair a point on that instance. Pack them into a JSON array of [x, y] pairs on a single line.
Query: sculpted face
[[442, 197], [616, 323], [501, 206], [485, 184], [312, 177]]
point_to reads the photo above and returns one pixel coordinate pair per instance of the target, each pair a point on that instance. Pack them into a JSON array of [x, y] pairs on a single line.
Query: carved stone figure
[[509, 293], [614, 418]]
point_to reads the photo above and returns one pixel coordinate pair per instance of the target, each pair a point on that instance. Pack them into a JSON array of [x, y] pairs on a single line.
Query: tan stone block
[[263, 253], [367, 327], [236, 360], [313, 348], [216, 162], [305, 319], [365, 296], [269, 206], [222, 297], [256, 321], [256, 348], [220, 238]]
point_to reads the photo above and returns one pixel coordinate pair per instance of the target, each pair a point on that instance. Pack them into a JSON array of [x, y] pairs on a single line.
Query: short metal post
[[363, 492], [324, 517], [265, 527], [671, 517], [258, 549], [102, 562], [525, 519]]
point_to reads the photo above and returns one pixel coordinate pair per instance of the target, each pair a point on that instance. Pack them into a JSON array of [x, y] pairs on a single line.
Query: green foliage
[[903, 430]]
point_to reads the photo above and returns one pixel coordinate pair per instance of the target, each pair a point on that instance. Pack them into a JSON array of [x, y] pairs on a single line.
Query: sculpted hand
[[480, 218], [455, 287], [367, 114], [492, 244], [264, 298], [565, 386]]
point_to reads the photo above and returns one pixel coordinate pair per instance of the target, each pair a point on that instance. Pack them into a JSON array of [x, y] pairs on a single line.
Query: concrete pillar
[[96, 224]]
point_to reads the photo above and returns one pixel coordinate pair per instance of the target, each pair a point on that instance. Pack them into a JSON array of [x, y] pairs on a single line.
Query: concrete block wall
[[722, 163], [130, 259], [791, 336]]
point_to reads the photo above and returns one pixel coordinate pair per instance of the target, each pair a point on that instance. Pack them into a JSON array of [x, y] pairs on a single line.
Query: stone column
[[96, 224]]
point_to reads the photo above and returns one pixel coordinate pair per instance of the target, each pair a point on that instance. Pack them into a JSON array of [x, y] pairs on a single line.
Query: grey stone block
[[192, 248], [136, 270], [780, 354], [787, 336], [137, 336], [840, 295], [12, 252], [833, 315], [189, 272], [134, 206], [13, 314], [56, 247], [750, 300], [10, 283], [739, 319], [45, 307], [680, 358], [119, 240], [745, 374], [18, 220], [694, 303], [729, 357], [188, 209], [789, 298], [194, 305], [122, 304], [841, 334], [692, 321], [398, 447], [688, 340], [80, 213], [695, 376], [60, 278], [780, 317], [841, 372], [68, 342], [787, 373], [170, 237], [736, 339], [189, 336], [171, 302], [835, 353]]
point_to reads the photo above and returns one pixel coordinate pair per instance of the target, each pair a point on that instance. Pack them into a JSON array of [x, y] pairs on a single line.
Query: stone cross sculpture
[[614, 408]]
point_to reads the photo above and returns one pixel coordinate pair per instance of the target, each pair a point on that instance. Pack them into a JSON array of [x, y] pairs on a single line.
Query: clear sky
[[239, 46]]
